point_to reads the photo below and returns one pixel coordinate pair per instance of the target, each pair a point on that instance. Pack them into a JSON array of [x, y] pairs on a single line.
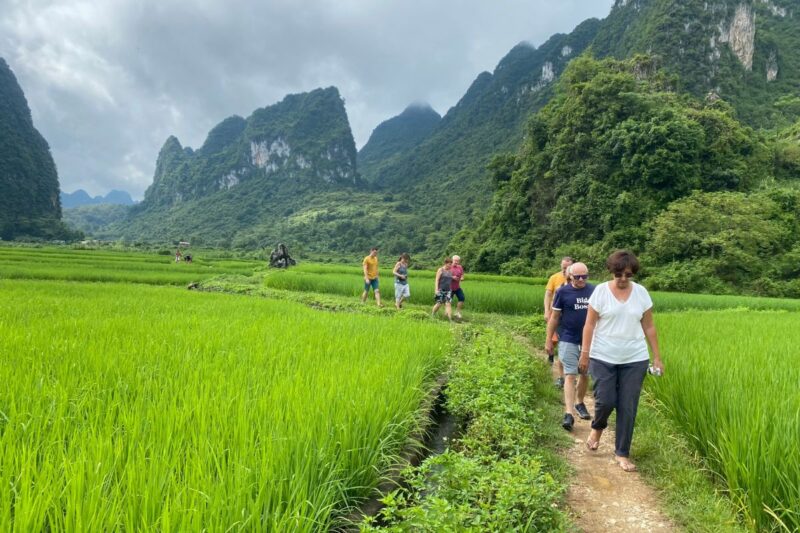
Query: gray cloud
[[109, 81]]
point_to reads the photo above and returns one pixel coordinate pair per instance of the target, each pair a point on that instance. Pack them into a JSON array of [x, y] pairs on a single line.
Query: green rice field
[[731, 386], [96, 265], [486, 294], [129, 403], [154, 408]]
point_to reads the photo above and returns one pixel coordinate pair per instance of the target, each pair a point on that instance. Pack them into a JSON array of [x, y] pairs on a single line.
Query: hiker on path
[[370, 265], [556, 280], [401, 288], [443, 287], [458, 277], [568, 315], [619, 327], [178, 255]]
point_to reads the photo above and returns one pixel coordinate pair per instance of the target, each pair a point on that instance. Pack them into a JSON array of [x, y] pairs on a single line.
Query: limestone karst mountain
[[29, 193]]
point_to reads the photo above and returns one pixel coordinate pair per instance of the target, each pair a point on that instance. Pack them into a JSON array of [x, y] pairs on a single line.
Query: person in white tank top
[[619, 327]]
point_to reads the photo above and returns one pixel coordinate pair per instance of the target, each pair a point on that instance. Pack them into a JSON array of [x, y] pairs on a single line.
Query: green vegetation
[[623, 140], [688, 40], [498, 476], [618, 159], [393, 138], [30, 208], [611, 150], [93, 219], [92, 265], [731, 388], [726, 242], [483, 296], [151, 407], [147, 408], [247, 175]]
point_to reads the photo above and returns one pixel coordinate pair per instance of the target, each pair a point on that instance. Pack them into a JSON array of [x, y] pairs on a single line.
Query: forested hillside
[[395, 138], [620, 159], [29, 201], [742, 50], [663, 102], [444, 179], [250, 176]]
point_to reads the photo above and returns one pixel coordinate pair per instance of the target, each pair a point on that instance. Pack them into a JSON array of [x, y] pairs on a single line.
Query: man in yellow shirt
[[370, 265], [556, 280]]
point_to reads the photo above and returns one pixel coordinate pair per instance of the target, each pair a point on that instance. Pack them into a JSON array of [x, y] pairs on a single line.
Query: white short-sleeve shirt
[[618, 336]]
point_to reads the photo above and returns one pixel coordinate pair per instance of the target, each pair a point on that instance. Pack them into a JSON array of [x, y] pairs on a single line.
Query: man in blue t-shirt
[[569, 309]]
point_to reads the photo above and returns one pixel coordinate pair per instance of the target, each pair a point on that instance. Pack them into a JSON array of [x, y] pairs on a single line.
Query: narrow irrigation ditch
[[432, 438]]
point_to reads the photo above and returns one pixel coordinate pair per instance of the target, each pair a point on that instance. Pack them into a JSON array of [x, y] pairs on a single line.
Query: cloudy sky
[[108, 81]]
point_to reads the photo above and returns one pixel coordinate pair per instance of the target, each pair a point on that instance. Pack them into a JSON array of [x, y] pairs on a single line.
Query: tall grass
[[155, 408], [485, 296], [731, 386], [386, 273]]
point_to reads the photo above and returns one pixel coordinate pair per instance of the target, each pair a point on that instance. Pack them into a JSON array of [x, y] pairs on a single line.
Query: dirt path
[[602, 496]]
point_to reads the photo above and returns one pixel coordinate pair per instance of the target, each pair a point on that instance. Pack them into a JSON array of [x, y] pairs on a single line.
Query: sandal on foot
[[626, 465], [592, 444]]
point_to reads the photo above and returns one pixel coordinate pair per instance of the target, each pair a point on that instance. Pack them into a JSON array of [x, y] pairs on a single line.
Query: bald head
[[578, 272]]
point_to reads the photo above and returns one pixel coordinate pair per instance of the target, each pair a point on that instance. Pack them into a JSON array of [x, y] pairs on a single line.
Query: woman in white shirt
[[619, 326]]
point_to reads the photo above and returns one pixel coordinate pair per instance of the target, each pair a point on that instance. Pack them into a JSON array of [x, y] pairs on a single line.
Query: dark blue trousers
[[617, 387]]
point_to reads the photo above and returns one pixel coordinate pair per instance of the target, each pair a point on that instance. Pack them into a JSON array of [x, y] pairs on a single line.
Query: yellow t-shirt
[[555, 281], [372, 266]]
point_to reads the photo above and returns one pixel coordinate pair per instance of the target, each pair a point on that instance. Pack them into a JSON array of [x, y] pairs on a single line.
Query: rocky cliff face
[[304, 139], [741, 35], [29, 191], [742, 50]]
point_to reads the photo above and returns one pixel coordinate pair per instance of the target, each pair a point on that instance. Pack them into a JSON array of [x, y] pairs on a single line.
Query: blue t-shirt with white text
[[573, 304]]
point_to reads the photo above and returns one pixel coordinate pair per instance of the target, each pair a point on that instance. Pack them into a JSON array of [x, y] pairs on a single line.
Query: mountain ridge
[[80, 198]]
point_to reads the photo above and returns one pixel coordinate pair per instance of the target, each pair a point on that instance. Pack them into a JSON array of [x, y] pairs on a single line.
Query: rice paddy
[[141, 408], [731, 385], [132, 404], [95, 265]]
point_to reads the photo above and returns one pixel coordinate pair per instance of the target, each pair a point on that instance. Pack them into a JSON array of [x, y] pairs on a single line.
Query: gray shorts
[[569, 354], [401, 290]]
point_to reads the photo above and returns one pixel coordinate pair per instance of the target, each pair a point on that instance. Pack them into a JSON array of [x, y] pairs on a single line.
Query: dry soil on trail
[[604, 498]]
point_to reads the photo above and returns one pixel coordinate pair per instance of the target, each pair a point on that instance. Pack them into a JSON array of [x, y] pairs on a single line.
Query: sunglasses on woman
[[626, 275]]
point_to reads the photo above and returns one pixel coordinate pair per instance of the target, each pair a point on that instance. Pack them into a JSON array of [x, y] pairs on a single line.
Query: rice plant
[[93, 265], [484, 296], [731, 385], [155, 408]]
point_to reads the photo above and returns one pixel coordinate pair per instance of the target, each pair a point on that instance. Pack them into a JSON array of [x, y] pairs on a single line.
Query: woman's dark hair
[[406, 257], [448, 260], [621, 260]]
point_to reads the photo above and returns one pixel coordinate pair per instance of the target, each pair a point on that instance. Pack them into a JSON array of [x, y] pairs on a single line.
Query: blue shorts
[[459, 294], [371, 283]]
